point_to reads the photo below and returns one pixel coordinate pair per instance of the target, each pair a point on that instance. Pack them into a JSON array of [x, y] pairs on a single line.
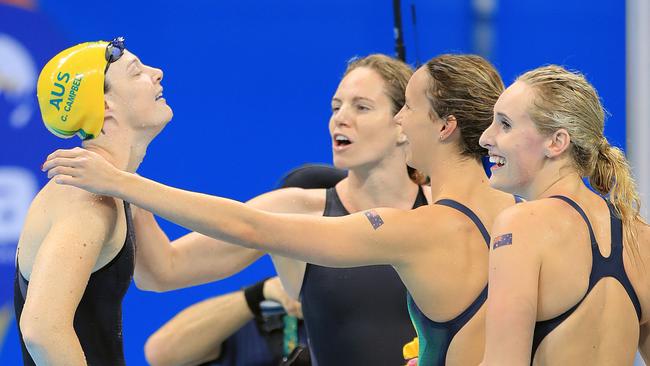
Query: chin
[[340, 163], [502, 186], [170, 114]]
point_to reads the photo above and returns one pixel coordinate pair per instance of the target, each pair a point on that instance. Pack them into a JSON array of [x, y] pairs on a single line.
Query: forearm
[[219, 218], [336, 242], [195, 335]]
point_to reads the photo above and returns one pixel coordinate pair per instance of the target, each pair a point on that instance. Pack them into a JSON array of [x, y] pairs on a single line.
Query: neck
[[552, 180], [125, 151], [457, 177], [386, 184]]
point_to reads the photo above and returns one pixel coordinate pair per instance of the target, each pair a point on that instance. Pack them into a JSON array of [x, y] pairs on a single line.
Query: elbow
[[148, 284], [152, 281], [157, 351], [32, 335], [38, 334]]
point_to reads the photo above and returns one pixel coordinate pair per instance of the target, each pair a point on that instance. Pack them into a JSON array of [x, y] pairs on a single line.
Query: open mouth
[[159, 96], [498, 161], [341, 141]]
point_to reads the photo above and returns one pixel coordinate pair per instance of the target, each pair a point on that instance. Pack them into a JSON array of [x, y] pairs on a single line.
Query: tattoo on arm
[[502, 240], [374, 218]]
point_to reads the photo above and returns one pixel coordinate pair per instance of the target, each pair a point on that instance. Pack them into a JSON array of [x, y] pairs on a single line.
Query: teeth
[[341, 138], [497, 160]]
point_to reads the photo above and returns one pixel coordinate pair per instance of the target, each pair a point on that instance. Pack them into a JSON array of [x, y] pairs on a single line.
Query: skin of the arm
[[512, 299], [60, 273], [195, 335], [196, 258], [371, 237]]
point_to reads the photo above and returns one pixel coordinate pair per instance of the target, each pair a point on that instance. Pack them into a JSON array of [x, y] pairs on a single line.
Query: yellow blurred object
[[70, 91], [411, 349]]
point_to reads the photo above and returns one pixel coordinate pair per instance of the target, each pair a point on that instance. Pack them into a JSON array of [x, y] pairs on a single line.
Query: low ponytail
[[612, 177]]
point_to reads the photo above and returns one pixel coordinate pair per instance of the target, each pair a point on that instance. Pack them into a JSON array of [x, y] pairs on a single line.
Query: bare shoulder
[[291, 200], [536, 222], [531, 211], [61, 218], [432, 223], [65, 202]]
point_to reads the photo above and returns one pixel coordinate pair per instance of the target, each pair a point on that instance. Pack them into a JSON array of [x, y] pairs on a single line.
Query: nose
[[487, 138], [341, 116], [398, 117], [156, 74]]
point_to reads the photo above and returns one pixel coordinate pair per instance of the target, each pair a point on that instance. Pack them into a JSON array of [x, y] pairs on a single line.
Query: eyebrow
[[134, 61], [503, 115], [355, 99]]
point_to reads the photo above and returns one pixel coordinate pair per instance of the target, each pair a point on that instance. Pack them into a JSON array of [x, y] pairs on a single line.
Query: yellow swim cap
[[71, 91]]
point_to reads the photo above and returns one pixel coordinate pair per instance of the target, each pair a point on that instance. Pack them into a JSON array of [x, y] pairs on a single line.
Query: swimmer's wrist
[[122, 184]]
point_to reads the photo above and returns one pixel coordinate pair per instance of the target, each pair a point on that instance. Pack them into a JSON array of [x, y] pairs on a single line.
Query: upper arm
[[514, 268], [66, 258]]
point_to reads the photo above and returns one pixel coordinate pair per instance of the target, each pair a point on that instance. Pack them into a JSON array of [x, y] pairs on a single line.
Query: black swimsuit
[[601, 267], [98, 318]]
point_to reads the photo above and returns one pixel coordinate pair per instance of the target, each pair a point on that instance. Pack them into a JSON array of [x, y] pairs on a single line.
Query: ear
[[109, 116], [448, 127], [557, 143]]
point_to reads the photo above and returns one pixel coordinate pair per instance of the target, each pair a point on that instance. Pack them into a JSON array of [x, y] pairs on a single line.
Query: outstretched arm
[[371, 237], [196, 258]]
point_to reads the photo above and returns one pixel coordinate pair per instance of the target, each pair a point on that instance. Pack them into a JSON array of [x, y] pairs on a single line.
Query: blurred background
[[250, 83]]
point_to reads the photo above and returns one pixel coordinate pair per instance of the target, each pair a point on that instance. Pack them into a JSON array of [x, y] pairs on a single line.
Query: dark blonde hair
[[396, 75], [465, 87], [565, 99]]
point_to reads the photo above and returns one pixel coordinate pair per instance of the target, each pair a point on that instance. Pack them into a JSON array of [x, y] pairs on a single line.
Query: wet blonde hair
[[565, 99], [396, 75], [466, 87]]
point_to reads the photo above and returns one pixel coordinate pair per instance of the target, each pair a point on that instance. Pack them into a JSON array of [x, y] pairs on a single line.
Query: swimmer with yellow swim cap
[[72, 86], [76, 252]]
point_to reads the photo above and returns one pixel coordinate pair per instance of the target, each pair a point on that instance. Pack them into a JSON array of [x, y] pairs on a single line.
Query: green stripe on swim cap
[[85, 135], [60, 133]]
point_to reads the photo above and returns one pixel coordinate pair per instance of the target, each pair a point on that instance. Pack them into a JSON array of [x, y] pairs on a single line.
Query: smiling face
[[361, 126], [514, 143], [135, 94]]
